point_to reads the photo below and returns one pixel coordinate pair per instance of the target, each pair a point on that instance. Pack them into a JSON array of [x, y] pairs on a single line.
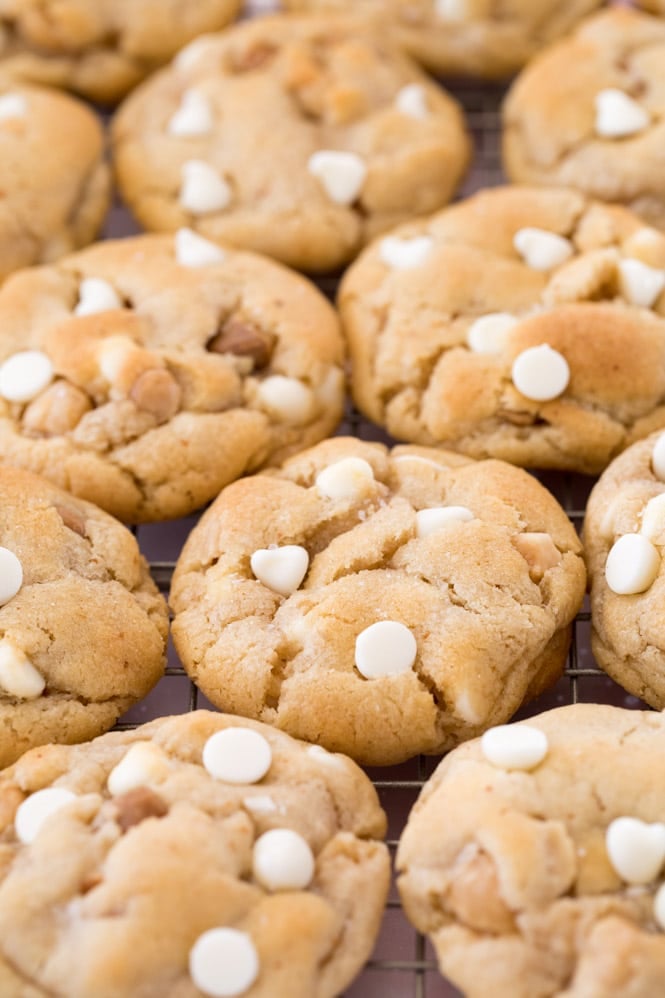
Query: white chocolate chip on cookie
[[237, 755], [203, 190], [24, 375], [489, 333], [142, 765], [192, 250], [405, 254], [36, 809], [640, 284], [345, 479], [11, 575], [342, 174], [540, 373], [618, 115], [223, 963], [13, 106], [514, 746], [286, 398], [412, 101], [632, 565], [653, 519], [386, 648], [193, 117], [281, 569], [96, 295], [18, 676], [636, 849], [282, 861], [430, 520], [540, 249]]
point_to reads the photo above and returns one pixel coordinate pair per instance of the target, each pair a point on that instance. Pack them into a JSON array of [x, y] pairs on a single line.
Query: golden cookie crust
[[508, 874], [100, 48], [308, 84], [549, 113], [156, 405], [478, 38], [490, 627], [55, 192], [103, 866], [628, 636], [413, 372], [88, 616]]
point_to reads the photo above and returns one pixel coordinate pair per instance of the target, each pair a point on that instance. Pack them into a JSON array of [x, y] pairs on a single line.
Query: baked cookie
[[100, 48], [82, 625], [534, 857], [196, 855], [589, 113], [654, 6], [381, 603], [144, 374], [55, 193], [526, 324], [624, 531], [466, 37], [297, 137]]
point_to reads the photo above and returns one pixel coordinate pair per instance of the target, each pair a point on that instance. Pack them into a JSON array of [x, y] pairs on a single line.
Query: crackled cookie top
[[483, 38], [82, 625], [382, 603], [178, 870], [542, 873], [624, 532], [526, 324], [144, 374], [53, 178], [100, 48], [589, 113], [297, 137]]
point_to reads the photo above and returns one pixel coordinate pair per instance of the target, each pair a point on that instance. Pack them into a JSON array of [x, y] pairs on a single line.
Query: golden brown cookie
[[55, 184], [197, 855], [144, 374], [526, 324], [654, 6], [534, 858], [381, 603], [624, 531], [588, 113], [466, 37], [82, 625], [100, 48], [296, 137]]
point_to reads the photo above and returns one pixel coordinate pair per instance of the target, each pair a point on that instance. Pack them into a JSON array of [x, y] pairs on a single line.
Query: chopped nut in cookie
[[137, 805], [244, 339]]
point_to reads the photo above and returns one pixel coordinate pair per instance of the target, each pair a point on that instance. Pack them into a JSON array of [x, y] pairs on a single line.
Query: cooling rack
[[403, 963]]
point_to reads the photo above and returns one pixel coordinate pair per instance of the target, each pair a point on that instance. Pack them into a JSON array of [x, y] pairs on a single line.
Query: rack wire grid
[[403, 963]]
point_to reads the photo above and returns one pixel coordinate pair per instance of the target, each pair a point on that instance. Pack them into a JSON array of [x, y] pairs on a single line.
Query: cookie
[[534, 858], [380, 603], [100, 48], [624, 531], [526, 324], [196, 855], [83, 627], [55, 193], [144, 374], [588, 113], [467, 37], [296, 137], [654, 6]]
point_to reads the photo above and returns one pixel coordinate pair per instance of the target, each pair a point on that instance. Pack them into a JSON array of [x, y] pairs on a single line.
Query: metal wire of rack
[[403, 963]]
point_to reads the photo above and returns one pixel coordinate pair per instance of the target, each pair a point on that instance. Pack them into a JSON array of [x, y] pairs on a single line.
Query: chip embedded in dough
[[400, 633]]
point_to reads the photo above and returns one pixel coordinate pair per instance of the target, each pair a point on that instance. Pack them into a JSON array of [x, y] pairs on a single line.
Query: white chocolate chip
[[282, 861], [237, 755], [345, 479], [286, 398], [342, 174], [452, 10], [260, 804], [514, 746], [489, 333], [653, 518], [658, 458], [203, 190], [659, 907], [24, 375], [96, 295], [540, 249], [618, 115], [540, 373], [322, 755], [142, 765], [411, 100], [192, 250], [281, 569], [223, 963], [405, 254], [632, 565], [635, 849], [36, 809], [193, 117], [640, 284], [13, 106], [113, 354], [11, 575], [430, 520], [18, 676], [386, 648], [190, 55]]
